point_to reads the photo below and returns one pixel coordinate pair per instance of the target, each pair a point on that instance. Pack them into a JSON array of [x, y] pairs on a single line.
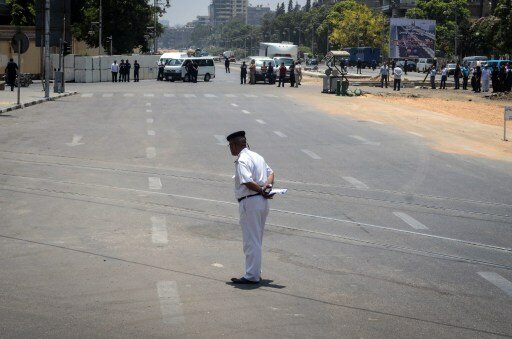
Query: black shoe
[[243, 281]]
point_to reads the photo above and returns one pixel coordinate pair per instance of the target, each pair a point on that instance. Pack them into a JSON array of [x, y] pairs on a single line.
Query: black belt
[[248, 196]]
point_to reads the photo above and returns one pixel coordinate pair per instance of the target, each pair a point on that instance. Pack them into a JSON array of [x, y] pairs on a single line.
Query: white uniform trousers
[[253, 214]]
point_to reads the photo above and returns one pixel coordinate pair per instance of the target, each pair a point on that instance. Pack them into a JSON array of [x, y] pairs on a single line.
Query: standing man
[[127, 67], [195, 71], [298, 73], [270, 73], [263, 72], [457, 75], [243, 73], [433, 72], [10, 71], [292, 74], [252, 72], [486, 76], [397, 73], [161, 67], [478, 79], [114, 68], [136, 67], [282, 74], [384, 75], [405, 66], [226, 64], [465, 77], [252, 179], [359, 66], [444, 77], [121, 71]]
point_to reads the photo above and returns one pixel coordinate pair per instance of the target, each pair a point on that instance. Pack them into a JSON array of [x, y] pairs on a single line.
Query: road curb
[[35, 102]]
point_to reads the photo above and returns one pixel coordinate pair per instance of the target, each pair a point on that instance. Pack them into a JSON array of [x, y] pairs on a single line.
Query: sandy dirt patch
[[447, 119]]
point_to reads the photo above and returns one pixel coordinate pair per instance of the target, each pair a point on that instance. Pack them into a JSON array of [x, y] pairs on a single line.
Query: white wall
[[86, 69]]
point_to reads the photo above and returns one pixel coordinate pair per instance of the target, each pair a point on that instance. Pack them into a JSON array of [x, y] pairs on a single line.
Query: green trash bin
[[344, 87]]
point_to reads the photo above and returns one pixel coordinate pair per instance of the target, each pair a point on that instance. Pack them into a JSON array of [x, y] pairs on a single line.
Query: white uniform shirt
[[444, 72], [486, 74], [383, 70], [249, 167], [397, 72], [115, 68]]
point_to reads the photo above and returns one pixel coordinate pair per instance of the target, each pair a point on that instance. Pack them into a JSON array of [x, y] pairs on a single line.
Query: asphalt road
[[118, 220]]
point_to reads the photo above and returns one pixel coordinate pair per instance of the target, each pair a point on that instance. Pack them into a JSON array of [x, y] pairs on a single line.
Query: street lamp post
[[110, 39], [287, 29]]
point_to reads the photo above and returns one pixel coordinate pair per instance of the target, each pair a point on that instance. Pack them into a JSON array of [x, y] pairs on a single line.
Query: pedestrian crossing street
[[181, 95]]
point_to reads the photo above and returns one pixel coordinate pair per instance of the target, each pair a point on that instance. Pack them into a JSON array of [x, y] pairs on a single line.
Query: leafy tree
[[355, 24], [503, 14], [307, 6], [290, 6], [125, 21], [23, 12]]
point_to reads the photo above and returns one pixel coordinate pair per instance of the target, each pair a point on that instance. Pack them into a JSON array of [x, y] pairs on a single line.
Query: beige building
[[223, 11]]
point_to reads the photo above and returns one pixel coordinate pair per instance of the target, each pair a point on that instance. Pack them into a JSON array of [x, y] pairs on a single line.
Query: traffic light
[[66, 48]]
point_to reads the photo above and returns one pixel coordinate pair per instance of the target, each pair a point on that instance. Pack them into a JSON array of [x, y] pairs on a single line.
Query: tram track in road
[[345, 222], [204, 215], [433, 205]]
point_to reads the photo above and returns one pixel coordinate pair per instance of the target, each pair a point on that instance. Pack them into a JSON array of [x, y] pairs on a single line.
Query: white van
[[473, 61], [176, 69], [168, 56], [424, 64]]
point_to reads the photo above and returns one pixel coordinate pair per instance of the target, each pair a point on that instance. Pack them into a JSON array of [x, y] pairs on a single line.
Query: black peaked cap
[[235, 135]]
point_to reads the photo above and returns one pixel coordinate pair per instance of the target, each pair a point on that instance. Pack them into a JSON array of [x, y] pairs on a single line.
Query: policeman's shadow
[[263, 283]]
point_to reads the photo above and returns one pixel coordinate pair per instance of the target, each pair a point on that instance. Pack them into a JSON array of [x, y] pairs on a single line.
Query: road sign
[[507, 115], [20, 39]]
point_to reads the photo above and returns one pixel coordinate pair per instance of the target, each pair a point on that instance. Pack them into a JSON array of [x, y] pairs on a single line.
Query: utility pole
[[47, 49], [100, 33], [155, 42]]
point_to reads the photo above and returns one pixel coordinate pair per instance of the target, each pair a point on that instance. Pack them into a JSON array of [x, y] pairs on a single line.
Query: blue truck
[[367, 55]]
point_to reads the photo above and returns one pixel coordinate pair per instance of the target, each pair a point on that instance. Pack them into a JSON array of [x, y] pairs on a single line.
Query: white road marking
[[246, 111], [107, 95], [311, 154], [149, 111], [76, 141], [149, 95], [151, 133], [280, 134], [207, 95], [189, 95], [154, 183], [261, 122], [270, 95], [250, 96], [498, 281], [365, 141], [128, 94], [159, 230], [234, 105], [150, 152], [87, 95], [356, 183], [169, 95], [148, 104], [217, 265], [150, 120], [416, 134], [230, 95], [411, 221], [170, 304], [221, 140]]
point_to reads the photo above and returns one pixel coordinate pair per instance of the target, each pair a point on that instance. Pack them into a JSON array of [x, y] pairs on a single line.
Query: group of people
[[192, 68], [121, 71], [481, 77], [267, 73]]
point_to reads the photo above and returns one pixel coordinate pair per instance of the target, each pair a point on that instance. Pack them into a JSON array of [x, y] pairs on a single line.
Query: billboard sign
[[412, 38]]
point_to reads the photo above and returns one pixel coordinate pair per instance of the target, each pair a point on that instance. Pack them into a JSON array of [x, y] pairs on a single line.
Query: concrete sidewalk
[[32, 95]]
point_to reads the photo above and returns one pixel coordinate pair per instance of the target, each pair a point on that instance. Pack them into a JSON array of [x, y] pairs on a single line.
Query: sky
[[183, 11]]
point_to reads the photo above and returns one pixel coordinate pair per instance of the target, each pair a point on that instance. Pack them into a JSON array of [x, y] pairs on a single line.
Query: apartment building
[[223, 11]]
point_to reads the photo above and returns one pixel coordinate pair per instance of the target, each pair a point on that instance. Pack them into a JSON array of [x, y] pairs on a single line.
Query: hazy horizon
[[183, 11]]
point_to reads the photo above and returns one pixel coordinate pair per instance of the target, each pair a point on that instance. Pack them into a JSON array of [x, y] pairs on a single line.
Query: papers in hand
[[278, 191]]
